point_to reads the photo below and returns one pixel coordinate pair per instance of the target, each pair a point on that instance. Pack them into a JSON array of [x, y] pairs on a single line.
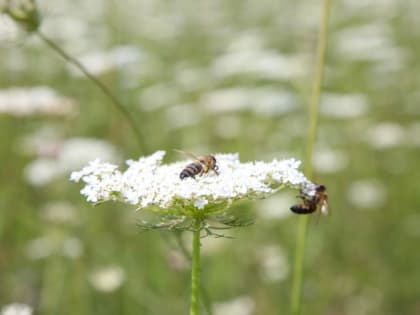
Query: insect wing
[[190, 155], [325, 208]]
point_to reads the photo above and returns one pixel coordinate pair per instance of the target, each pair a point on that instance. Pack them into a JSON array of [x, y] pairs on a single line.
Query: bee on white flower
[[147, 183]]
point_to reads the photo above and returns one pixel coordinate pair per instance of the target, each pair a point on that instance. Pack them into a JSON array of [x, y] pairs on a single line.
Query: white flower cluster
[[149, 183], [16, 309], [35, 101]]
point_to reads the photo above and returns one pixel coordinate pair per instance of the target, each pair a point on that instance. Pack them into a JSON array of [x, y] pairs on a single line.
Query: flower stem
[[195, 269], [311, 137], [205, 298], [107, 92]]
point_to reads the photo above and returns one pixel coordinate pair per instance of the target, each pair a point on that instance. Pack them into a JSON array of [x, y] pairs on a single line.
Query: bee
[[312, 203], [202, 165]]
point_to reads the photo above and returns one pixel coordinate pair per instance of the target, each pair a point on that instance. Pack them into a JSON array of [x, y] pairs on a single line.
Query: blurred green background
[[212, 76]]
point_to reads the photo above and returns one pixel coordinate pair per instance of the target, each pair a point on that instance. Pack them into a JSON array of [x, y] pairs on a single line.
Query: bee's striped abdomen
[[303, 208], [191, 170]]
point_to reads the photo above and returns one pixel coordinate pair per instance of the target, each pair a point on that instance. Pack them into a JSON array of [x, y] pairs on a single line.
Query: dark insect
[[312, 203], [202, 165]]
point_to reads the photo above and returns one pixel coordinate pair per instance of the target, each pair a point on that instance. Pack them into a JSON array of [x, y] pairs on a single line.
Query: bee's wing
[[190, 155], [325, 209]]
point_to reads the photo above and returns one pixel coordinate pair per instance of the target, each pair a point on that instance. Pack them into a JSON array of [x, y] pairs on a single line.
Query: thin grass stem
[[110, 95], [296, 301]]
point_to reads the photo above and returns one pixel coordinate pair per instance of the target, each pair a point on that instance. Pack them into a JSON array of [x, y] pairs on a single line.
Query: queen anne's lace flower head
[[147, 183]]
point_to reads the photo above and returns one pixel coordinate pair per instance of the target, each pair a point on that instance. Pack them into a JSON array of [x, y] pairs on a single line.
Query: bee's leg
[[204, 170], [215, 169]]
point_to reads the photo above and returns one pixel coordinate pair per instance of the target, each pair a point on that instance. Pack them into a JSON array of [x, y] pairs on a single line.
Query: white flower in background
[[259, 63], [157, 96], [186, 114], [277, 207], [39, 100], [9, 31], [262, 101], [242, 305], [119, 57], [59, 212], [386, 135], [274, 265], [39, 248], [344, 105], [107, 279], [64, 156], [227, 126], [45, 246], [330, 161], [72, 247], [16, 309], [371, 42], [149, 183], [367, 194]]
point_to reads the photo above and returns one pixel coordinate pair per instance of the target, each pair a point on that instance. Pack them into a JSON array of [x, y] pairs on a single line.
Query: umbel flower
[[149, 184]]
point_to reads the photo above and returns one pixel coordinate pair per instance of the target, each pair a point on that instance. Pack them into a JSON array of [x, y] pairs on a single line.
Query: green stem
[[195, 269], [205, 298], [115, 101], [311, 138]]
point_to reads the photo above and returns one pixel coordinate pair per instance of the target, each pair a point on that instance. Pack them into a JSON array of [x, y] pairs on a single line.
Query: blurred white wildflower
[[72, 247], [119, 57], [274, 265], [16, 309], [35, 101], [264, 64], [344, 105], [186, 115], [330, 161], [242, 305], [9, 31], [68, 155], [157, 96], [367, 194], [39, 248], [262, 101], [386, 135], [371, 42], [176, 260], [59, 212], [277, 207], [247, 55], [228, 126], [370, 7], [149, 183], [45, 246], [190, 78], [107, 279], [210, 246]]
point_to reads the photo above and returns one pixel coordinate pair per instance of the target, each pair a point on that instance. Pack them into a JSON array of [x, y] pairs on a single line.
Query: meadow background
[[212, 76]]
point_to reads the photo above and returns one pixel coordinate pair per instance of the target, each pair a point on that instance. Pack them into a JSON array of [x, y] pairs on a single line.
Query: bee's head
[[320, 188], [213, 162]]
